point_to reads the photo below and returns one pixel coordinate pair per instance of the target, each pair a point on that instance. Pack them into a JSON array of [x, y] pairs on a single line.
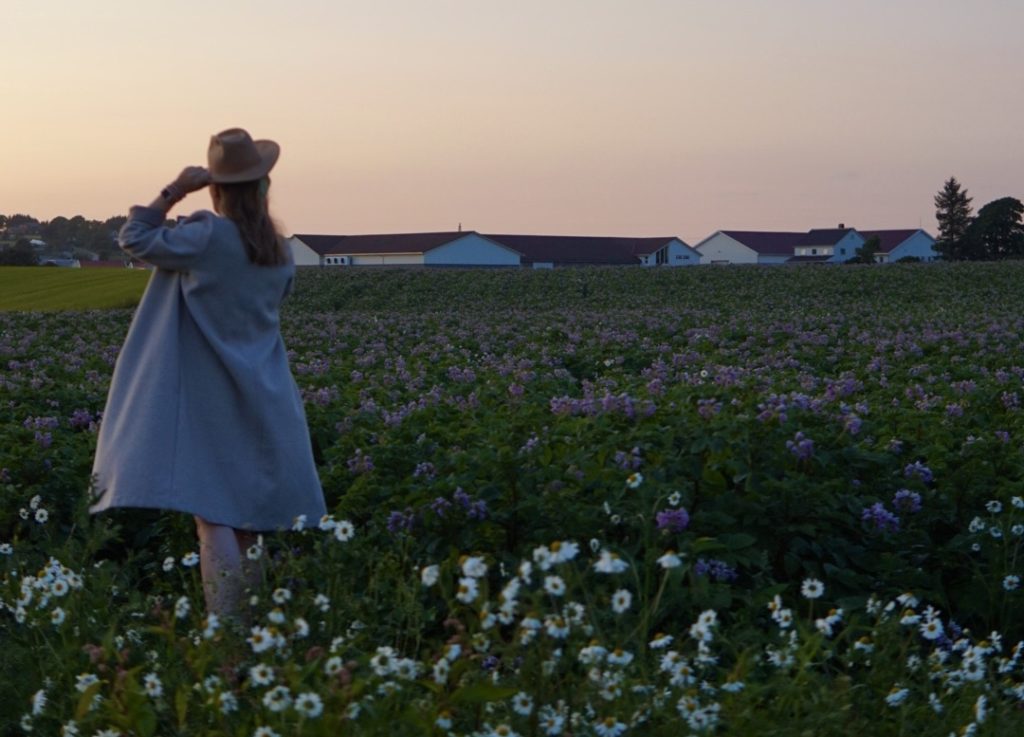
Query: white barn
[[747, 247], [401, 249], [897, 244]]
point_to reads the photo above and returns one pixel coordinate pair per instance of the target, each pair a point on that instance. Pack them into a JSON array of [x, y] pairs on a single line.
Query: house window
[[661, 257], [842, 251], [814, 251]]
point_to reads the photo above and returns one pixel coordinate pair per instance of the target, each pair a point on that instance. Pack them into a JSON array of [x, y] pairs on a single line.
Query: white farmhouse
[[401, 249], [898, 244], [748, 247], [827, 245]]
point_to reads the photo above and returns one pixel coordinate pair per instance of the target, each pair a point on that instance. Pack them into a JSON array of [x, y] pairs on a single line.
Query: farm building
[[898, 244], [833, 245], [747, 247], [470, 248], [547, 251], [819, 245], [404, 249]]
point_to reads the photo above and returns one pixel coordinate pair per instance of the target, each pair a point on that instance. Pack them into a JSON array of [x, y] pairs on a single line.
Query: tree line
[[994, 233], [61, 234]]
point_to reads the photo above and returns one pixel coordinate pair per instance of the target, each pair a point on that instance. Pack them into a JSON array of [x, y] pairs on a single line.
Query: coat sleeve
[[146, 238]]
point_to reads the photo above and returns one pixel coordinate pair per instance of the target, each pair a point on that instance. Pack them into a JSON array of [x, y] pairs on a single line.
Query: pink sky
[[590, 117]]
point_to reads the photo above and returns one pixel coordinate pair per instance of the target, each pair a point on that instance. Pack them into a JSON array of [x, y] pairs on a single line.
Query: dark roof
[[319, 243], [888, 239], [388, 243], [570, 249], [766, 242], [823, 237]]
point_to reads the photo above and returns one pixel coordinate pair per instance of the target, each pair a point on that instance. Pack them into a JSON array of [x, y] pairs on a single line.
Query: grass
[[28, 288]]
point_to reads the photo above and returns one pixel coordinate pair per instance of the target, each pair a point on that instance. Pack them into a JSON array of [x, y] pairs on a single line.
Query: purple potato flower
[[717, 570], [800, 446], [906, 500], [673, 520], [918, 470], [880, 518]]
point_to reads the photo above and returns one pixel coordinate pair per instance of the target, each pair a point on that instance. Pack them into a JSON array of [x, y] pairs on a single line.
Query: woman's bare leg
[[220, 563], [252, 570]]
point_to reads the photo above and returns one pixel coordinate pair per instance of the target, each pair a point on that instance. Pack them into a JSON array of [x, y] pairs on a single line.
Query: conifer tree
[[953, 211]]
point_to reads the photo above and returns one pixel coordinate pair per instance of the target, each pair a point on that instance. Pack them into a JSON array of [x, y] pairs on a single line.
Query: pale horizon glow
[[576, 117]]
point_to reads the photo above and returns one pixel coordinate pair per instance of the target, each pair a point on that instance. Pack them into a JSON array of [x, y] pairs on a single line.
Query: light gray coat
[[203, 414]]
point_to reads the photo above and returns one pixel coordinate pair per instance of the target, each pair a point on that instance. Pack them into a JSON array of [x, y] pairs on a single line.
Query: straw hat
[[234, 157]]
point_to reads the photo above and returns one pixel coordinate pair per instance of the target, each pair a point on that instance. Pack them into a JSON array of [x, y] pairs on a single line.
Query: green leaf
[[738, 540], [181, 704], [480, 693], [85, 700], [707, 545]]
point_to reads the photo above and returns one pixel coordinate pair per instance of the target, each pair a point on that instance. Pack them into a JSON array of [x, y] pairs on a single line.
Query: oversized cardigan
[[203, 414]]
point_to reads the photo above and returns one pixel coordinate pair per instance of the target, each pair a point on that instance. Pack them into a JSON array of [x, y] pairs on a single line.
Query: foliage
[[833, 456], [20, 254], [953, 213], [867, 252], [997, 232]]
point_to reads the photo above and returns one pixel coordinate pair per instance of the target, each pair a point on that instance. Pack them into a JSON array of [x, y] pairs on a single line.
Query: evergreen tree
[[953, 211], [997, 232]]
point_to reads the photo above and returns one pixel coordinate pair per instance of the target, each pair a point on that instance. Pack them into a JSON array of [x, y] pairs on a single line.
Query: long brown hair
[[245, 204]]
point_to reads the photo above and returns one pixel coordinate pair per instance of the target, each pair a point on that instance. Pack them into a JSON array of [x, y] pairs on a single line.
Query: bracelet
[[171, 194]]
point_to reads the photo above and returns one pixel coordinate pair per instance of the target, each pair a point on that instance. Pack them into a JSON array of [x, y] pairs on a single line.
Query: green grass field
[[41, 288]]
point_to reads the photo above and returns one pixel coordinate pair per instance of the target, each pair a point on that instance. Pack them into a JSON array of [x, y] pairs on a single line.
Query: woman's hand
[[192, 179]]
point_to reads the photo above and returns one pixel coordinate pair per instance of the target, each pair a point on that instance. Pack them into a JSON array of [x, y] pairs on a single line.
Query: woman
[[203, 415]]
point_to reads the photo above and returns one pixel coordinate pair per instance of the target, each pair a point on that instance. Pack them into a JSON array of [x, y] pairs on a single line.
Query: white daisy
[[621, 601], [429, 575], [609, 562], [277, 699], [554, 585], [309, 705], [468, 590], [474, 567], [812, 588], [522, 704], [153, 685], [670, 560], [261, 674], [344, 531]]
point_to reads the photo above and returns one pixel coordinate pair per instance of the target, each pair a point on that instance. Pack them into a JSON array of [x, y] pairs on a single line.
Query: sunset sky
[[589, 117]]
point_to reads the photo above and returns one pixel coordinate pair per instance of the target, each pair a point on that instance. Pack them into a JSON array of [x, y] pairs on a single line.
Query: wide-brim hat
[[234, 157]]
